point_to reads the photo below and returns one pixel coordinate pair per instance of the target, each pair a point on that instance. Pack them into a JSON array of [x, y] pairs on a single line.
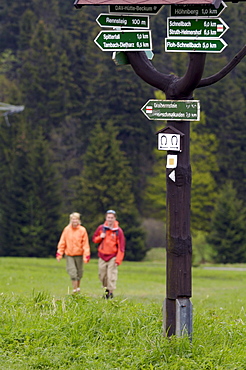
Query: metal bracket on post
[[183, 317]]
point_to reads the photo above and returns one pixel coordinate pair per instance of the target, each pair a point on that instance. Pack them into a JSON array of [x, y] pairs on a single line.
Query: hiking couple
[[74, 243]]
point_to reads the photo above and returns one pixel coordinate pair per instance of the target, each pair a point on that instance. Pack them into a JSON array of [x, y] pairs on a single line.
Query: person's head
[[110, 217], [74, 219]]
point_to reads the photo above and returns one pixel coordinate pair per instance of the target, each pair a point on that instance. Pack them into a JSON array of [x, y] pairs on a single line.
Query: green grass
[[44, 327]]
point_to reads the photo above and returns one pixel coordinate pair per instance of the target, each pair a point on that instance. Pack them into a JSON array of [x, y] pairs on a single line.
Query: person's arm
[[86, 247], [97, 236], [121, 247], [61, 246]]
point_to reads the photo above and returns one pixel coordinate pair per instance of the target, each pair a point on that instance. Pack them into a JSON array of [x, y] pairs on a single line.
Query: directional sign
[[196, 10], [123, 21], [196, 27], [124, 40], [195, 45], [135, 9], [175, 110]]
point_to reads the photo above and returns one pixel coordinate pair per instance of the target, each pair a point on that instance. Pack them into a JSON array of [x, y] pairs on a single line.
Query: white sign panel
[[172, 161], [168, 141]]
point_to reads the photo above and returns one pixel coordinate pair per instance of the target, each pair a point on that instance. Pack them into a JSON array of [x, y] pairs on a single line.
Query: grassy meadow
[[44, 326]]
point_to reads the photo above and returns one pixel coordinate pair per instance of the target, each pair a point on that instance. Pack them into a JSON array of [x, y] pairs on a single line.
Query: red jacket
[[113, 245]]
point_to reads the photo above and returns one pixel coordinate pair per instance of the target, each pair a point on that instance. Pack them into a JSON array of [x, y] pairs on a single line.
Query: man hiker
[[111, 251], [74, 244]]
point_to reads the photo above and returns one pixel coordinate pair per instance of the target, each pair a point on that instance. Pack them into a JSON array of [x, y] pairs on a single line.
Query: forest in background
[[82, 143]]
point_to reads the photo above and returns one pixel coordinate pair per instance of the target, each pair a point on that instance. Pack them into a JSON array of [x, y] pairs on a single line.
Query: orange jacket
[[113, 245], [74, 242]]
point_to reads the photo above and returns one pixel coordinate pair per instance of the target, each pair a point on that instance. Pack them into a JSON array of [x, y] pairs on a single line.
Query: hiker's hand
[[87, 259], [58, 257]]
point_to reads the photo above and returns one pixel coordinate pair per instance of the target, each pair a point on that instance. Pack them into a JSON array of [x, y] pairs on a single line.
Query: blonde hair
[[74, 215]]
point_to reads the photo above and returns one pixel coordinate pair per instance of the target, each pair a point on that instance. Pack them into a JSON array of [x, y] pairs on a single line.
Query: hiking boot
[[106, 294]]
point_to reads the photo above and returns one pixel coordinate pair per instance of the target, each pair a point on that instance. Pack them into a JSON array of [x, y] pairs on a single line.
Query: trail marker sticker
[[172, 161], [172, 175]]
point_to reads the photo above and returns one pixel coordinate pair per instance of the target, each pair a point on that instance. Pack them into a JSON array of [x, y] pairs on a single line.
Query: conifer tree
[[30, 209], [44, 198], [227, 235], [27, 28], [224, 106], [106, 184], [6, 172], [10, 14], [39, 67], [203, 149]]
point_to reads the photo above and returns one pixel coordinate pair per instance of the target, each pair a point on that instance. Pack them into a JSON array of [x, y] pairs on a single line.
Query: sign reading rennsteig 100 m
[[175, 110], [123, 21]]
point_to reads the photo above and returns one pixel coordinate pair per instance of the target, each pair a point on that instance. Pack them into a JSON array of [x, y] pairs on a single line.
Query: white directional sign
[[168, 141]]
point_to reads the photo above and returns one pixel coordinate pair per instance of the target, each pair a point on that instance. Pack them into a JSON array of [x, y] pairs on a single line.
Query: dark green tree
[[27, 24], [227, 235], [39, 67], [203, 149], [225, 111], [121, 95], [10, 15], [106, 183], [31, 206]]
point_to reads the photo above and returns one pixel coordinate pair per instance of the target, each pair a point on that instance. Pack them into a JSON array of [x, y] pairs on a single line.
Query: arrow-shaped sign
[[123, 21], [124, 40], [175, 110], [197, 10], [172, 175], [196, 27], [196, 45]]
